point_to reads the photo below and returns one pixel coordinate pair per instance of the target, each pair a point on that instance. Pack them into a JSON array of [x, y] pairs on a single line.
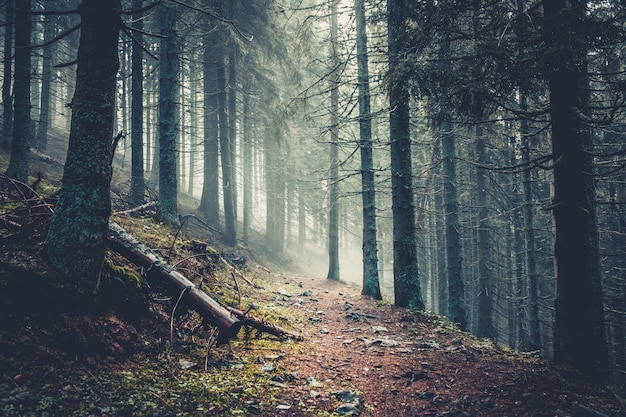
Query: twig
[[180, 297], [264, 269], [135, 209], [209, 345], [203, 223], [238, 290], [590, 412], [180, 228], [236, 271], [186, 258]]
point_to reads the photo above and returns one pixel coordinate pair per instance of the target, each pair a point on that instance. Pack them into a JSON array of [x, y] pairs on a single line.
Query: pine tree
[[76, 238]]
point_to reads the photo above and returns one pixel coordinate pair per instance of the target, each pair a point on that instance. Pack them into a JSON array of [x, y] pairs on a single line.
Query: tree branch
[[245, 36], [57, 38]]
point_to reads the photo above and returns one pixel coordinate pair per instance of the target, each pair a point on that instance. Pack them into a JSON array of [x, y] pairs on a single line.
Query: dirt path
[[408, 364]]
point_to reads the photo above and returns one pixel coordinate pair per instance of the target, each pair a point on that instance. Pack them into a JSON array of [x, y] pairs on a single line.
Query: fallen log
[[263, 326], [126, 245]]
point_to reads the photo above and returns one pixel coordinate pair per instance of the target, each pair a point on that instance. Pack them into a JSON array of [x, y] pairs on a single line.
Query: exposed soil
[[409, 364]]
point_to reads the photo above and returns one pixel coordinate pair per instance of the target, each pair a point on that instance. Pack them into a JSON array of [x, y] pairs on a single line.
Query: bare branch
[[128, 31], [57, 38], [143, 9], [232, 23], [66, 64]]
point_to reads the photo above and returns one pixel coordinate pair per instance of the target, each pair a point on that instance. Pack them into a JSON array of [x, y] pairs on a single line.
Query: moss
[[129, 275]]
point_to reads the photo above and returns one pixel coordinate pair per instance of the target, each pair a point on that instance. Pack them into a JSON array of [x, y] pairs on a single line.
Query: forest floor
[[137, 351]]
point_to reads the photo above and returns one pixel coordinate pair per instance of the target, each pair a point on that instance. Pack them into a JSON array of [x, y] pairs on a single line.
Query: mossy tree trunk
[[77, 235]]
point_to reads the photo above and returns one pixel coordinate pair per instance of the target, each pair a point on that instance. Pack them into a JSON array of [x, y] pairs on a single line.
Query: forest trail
[[400, 363]]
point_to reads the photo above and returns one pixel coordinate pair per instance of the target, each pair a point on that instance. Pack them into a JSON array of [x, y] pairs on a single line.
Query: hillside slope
[[138, 351]]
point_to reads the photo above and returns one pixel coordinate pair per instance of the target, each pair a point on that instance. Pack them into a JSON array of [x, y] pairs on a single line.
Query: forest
[[454, 160]]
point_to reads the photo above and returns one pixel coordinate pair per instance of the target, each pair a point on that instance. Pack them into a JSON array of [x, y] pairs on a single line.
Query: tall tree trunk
[[232, 125], [531, 337], [194, 127], [456, 287], [579, 332], [247, 162], [209, 202], [137, 183], [333, 186], [77, 235], [407, 291], [518, 247], [7, 98], [168, 181], [275, 186], [230, 230], [529, 334], [485, 327], [181, 138], [46, 85], [123, 106], [301, 218], [616, 282], [18, 163], [233, 63], [371, 286], [441, 253]]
